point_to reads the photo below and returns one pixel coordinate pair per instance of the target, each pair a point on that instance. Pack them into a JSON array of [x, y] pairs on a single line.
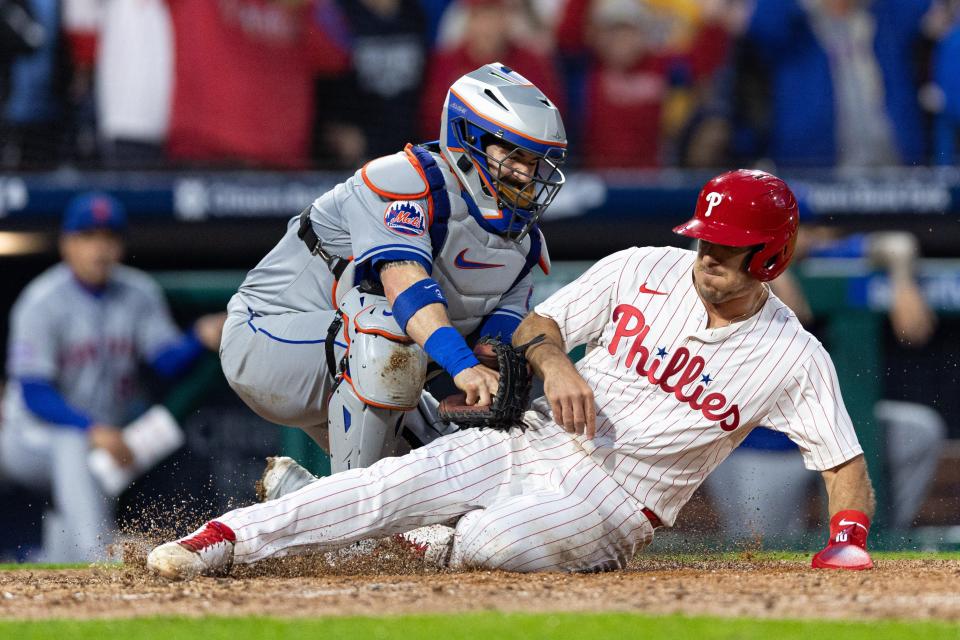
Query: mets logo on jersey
[[405, 218], [671, 374]]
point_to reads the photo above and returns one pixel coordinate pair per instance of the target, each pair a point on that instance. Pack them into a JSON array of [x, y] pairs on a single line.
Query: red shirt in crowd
[[623, 115], [446, 66], [624, 110], [243, 88]]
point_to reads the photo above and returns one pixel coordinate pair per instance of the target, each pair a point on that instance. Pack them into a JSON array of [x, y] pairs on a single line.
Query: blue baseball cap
[[94, 210]]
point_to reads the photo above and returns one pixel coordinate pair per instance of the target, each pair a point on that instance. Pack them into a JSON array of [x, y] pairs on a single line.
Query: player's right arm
[[848, 487], [574, 315], [430, 327], [388, 216], [570, 397], [852, 504]]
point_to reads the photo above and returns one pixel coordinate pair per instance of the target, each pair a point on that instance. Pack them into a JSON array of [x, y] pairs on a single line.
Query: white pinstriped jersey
[[674, 398]]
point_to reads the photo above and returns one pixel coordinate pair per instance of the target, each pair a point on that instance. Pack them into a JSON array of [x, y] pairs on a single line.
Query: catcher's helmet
[[495, 104], [743, 208]]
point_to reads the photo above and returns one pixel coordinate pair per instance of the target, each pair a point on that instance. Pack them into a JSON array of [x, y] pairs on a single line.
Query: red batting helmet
[[744, 208]]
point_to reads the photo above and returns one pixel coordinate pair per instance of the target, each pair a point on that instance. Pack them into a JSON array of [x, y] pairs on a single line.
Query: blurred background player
[[406, 260], [78, 333]]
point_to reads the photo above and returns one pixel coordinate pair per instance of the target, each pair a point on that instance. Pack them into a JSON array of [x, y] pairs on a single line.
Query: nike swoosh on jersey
[[644, 289], [461, 262]]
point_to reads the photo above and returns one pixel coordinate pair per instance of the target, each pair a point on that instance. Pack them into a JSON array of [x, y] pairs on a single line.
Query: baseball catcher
[[388, 279]]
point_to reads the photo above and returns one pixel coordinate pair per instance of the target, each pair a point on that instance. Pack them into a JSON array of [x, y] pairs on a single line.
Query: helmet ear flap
[[772, 258]]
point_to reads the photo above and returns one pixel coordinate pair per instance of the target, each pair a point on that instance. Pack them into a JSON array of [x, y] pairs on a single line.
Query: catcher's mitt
[[506, 408]]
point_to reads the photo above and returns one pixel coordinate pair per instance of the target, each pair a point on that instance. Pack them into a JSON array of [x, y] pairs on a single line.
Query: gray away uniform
[[88, 347], [273, 348]]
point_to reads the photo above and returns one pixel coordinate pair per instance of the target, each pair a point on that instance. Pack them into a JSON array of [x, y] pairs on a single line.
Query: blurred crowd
[[329, 83]]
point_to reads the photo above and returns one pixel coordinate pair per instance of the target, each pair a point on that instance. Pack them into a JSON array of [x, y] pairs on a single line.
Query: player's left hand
[[571, 400], [847, 548], [209, 329]]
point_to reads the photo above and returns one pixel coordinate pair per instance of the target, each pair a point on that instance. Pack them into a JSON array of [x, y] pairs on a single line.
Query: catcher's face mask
[[495, 107], [513, 171]]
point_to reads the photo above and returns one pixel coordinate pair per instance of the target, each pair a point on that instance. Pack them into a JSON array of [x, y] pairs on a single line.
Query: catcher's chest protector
[[474, 267]]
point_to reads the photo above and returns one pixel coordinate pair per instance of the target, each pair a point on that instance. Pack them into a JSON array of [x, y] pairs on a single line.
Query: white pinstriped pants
[[532, 501]]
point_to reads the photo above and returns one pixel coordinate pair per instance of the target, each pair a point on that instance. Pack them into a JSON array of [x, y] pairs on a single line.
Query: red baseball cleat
[[206, 551]]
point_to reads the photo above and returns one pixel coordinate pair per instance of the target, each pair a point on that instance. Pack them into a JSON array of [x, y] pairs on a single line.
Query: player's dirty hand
[[110, 439], [479, 383]]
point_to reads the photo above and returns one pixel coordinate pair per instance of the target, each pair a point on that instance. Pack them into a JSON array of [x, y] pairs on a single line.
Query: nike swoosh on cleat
[[461, 262], [645, 289], [847, 523]]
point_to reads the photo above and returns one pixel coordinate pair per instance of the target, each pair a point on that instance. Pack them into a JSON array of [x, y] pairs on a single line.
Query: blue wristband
[[415, 297], [450, 351]]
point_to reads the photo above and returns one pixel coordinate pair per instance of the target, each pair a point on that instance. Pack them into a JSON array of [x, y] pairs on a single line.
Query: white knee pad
[[384, 376]]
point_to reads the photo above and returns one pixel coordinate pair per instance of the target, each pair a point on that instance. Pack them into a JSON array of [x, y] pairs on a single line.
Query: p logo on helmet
[[713, 199], [758, 209]]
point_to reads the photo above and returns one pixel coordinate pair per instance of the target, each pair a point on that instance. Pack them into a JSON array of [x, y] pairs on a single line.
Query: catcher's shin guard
[[360, 434], [381, 380]]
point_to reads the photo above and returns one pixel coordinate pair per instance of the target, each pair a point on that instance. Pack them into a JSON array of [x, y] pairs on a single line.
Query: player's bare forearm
[[550, 352], [396, 278], [788, 289], [849, 487], [851, 509], [209, 329], [570, 397]]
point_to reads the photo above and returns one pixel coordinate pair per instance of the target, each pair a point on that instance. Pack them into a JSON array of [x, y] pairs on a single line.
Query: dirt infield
[[380, 584]]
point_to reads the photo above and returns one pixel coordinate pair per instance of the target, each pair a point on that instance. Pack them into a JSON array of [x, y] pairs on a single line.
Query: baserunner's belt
[[652, 517]]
